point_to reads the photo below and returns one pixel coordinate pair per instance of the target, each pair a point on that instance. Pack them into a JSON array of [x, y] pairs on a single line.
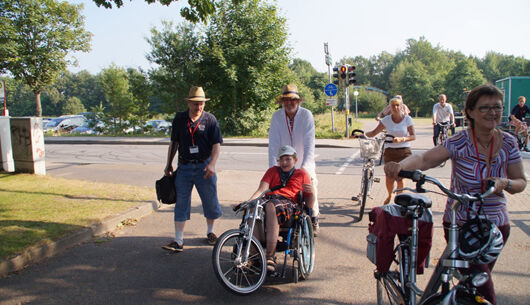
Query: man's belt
[[192, 161]]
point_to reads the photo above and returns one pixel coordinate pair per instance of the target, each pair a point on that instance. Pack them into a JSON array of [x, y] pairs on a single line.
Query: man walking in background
[[197, 138]]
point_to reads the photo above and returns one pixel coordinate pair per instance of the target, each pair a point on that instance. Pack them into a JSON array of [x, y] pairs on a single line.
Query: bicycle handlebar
[[358, 133], [420, 178], [246, 203]]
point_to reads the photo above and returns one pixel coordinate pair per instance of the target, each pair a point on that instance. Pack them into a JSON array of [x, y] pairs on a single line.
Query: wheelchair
[[239, 260]]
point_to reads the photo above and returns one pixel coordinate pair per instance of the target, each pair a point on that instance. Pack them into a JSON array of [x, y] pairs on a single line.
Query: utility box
[[6, 152], [27, 140], [513, 87]]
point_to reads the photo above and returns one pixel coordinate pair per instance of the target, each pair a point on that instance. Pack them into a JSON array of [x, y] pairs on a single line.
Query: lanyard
[[290, 127], [193, 132], [488, 165]]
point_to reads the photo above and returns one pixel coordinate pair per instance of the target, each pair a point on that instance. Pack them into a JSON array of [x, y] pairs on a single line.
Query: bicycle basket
[[370, 148]]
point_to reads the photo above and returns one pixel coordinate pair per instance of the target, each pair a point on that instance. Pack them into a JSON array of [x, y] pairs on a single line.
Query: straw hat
[[289, 91], [196, 95]]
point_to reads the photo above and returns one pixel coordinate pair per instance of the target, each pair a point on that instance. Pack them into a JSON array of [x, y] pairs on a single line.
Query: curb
[[39, 253]]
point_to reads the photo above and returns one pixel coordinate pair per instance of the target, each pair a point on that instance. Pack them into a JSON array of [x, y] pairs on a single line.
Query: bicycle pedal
[[377, 180], [355, 198]]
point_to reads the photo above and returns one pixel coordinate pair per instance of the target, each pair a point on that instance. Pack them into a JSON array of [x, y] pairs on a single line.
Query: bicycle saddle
[[410, 200]]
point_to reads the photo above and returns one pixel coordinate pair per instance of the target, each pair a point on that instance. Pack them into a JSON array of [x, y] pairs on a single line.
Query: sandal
[[271, 264]]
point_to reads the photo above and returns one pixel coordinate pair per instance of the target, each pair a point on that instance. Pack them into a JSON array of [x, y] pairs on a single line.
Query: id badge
[[194, 149]]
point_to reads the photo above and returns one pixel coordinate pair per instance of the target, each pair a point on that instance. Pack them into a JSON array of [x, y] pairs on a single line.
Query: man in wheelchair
[[284, 202]]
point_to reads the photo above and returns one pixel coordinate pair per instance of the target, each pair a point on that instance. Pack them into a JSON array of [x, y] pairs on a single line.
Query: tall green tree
[[36, 36], [197, 10], [465, 75], [175, 50], [115, 83], [245, 63], [73, 106], [141, 93]]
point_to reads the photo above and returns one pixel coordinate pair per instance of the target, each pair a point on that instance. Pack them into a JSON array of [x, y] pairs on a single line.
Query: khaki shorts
[[396, 154]]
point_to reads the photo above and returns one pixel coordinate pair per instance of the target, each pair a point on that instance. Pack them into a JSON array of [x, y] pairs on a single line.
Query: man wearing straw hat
[[197, 138], [294, 125]]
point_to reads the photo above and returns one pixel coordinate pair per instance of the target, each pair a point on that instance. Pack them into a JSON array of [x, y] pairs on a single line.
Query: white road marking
[[348, 161]]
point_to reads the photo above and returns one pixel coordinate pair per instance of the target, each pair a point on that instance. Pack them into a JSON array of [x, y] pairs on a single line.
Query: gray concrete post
[[27, 139], [6, 152]]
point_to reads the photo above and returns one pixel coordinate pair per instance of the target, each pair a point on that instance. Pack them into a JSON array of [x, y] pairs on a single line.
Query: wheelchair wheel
[[239, 277], [306, 247]]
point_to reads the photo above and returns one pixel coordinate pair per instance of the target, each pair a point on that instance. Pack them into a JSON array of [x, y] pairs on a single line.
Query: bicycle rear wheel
[[366, 183], [443, 137], [388, 291]]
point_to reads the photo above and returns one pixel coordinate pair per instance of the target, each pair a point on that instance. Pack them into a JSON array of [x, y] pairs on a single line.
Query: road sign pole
[[328, 63]]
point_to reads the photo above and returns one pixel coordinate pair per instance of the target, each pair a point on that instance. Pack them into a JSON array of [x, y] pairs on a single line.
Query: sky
[[350, 27]]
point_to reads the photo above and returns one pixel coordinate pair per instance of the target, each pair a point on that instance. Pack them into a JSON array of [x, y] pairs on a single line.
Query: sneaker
[[174, 247], [212, 238], [316, 227]]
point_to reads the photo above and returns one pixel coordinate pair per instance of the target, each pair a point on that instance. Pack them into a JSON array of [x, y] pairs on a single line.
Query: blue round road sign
[[331, 89]]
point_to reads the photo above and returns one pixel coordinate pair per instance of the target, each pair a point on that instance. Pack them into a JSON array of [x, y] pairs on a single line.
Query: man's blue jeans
[[188, 175]]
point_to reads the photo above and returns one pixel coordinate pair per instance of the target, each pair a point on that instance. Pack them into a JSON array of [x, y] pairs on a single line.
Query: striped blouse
[[466, 173]]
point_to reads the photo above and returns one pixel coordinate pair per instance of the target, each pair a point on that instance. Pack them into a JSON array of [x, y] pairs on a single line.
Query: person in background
[[481, 152], [196, 136], [401, 127], [442, 113], [517, 119], [388, 110], [294, 125]]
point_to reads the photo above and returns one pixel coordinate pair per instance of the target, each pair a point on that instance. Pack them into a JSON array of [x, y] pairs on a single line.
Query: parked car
[[65, 123], [86, 128], [158, 125]]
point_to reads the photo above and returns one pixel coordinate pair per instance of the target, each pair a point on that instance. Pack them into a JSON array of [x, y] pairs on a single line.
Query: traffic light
[[342, 75], [351, 75], [336, 75]]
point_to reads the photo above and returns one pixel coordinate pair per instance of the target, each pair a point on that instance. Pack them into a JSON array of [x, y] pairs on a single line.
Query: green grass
[[323, 125], [36, 209]]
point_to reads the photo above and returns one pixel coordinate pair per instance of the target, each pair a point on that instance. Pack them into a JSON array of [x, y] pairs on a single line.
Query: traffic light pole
[[347, 103]]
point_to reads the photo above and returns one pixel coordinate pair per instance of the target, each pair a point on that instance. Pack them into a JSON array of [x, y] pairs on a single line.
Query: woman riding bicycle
[[399, 125], [282, 202], [479, 153]]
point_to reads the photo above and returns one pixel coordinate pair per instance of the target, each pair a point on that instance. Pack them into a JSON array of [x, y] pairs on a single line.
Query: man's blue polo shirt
[[205, 131]]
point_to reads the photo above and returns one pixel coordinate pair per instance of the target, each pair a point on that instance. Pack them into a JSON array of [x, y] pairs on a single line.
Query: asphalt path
[[130, 267]]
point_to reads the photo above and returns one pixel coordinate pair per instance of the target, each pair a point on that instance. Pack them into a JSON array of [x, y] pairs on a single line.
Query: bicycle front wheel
[[443, 137], [234, 274], [366, 183], [388, 291]]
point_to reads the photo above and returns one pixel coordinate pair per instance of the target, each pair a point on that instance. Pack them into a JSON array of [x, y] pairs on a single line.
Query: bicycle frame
[[448, 264]]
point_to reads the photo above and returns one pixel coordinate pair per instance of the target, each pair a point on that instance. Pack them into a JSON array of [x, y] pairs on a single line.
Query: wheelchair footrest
[[377, 180]]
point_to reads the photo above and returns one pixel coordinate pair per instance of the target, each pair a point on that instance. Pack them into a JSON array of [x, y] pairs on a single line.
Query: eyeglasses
[[486, 109]]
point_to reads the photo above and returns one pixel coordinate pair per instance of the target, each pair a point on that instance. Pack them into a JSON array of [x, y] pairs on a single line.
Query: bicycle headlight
[[479, 279]]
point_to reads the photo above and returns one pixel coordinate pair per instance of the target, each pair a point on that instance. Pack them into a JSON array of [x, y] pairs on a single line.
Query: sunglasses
[[486, 109]]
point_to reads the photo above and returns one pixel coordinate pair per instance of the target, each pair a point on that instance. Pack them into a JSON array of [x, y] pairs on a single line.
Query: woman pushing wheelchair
[[282, 202]]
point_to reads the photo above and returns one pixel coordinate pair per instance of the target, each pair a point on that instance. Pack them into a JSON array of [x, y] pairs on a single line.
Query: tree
[[198, 10], [115, 83], [465, 75], [140, 90], [245, 64], [36, 36], [175, 49], [412, 81], [73, 106]]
